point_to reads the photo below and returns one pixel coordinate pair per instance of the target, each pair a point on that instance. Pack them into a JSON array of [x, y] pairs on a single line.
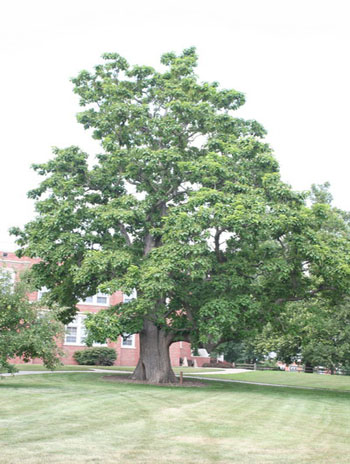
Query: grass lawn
[[39, 367], [84, 419], [333, 382], [177, 370]]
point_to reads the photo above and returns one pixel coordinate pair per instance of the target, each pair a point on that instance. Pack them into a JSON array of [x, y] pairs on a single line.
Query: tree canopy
[[185, 204]]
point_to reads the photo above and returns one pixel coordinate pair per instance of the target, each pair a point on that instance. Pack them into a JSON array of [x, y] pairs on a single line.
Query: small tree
[[185, 204], [25, 331]]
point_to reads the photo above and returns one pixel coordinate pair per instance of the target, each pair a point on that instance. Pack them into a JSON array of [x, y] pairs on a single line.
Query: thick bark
[[154, 363]]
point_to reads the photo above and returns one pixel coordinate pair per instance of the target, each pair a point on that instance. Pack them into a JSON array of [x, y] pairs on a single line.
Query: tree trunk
[[154, 363]]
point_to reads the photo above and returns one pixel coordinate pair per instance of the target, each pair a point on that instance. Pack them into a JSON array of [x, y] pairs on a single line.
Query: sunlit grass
[[84, 419], [177, 370], [334, 382], [39, 367]]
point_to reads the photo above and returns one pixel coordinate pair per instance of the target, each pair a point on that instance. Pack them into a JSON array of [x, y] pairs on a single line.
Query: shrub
[[267, 363], [99, 356], [220, 364]]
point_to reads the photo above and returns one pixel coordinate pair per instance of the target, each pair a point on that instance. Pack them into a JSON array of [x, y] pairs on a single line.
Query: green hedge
[[99, 356]]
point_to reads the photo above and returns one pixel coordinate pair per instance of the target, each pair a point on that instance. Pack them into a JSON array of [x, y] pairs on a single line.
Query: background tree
[[315, 331], [312, 332], [24, 330], [241, 352], [185, 205]]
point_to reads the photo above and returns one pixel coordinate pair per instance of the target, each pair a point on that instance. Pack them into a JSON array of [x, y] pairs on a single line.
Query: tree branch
[[218, 252], [124, 233], [311, 293]]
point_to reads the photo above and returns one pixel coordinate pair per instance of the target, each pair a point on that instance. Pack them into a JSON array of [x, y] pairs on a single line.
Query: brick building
[[127, 348]]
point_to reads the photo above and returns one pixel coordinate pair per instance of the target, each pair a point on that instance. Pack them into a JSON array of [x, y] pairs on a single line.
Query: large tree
[[185, 204]]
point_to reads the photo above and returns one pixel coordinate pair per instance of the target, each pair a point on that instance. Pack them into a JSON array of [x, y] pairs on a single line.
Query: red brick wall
[[10, 260], [200, 360], [179, 350], [127, 356]]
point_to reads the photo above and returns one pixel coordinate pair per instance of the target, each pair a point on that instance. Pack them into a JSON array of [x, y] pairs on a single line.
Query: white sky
[[290, 58]]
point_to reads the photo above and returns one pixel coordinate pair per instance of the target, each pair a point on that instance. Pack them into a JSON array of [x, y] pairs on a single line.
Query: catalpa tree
[[185, 205]]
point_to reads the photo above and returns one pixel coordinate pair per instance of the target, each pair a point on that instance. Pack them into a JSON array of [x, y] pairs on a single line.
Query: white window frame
[[128, 298], [78, 323], [42, 292], [12, 276], [94, 300], [128, 337]]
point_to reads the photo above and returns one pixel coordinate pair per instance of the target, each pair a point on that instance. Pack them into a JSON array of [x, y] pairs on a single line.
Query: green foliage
[[314, 332], [25, 329], [185, 204], [240, 352], [110, 323], [97, 356]]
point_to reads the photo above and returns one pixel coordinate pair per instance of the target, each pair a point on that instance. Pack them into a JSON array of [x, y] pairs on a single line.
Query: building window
[[100, 299], [128, 298], [71, 334], [128, 341], [75, 332], [9, 277], [42, 292]]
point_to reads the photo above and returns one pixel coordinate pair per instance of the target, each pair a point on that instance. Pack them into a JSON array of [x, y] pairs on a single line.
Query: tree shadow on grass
[[8, 386]]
